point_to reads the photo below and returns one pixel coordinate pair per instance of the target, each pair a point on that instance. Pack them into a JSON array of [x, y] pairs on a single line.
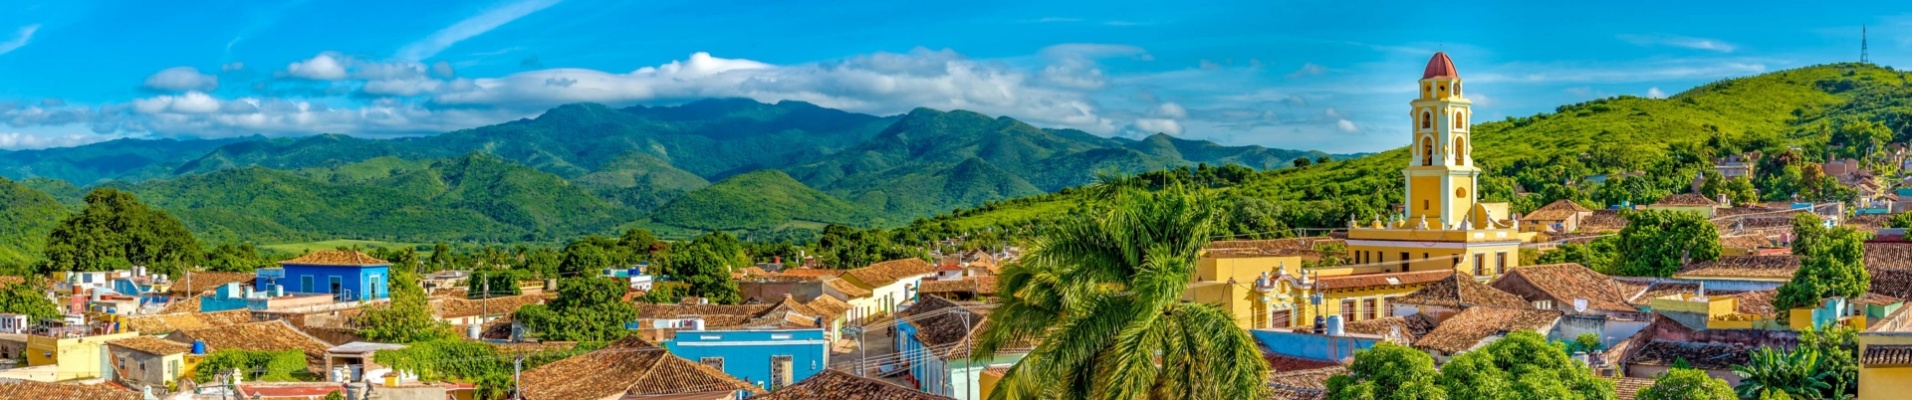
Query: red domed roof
[[1440, 67]]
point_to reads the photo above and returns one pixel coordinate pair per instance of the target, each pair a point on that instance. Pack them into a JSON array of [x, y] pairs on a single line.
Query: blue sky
[[1329, 75]]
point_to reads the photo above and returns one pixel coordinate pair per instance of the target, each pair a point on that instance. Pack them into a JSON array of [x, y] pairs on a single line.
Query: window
[[1500, 263], [1423, 256], [338, 284], [1347, 310], [1457, 88], [713, 362], [1460, 151], [1372, 311], [779, 371], [1404, 263], [1386, 301], [1427, 120], [1426, 206], [1480, 264], [780, 336], [305, 284], [1427, 151]]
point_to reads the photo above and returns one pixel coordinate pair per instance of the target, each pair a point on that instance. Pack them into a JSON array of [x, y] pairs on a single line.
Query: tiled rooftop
[[461, 307], [1747, 267], [1686, 199], [1467, 329], [1460, 291], [335, 257], [838, 385], [1411, 327], [981, 286], [1559, 210], [205, 282], [1564, 283], [259, 336], [627, 367], [1714, 356], [1887, 354], [1366, 281], [152, 345], [847, 288], [165, 323], [1628, 388], [1310, 384], [887, 272], [63, 391]]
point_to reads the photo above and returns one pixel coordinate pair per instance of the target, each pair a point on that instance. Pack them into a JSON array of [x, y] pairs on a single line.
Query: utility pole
[[1864, 54], [517, 370]]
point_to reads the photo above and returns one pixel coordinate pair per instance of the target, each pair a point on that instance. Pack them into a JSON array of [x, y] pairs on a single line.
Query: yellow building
[[78, 356], [1443, 226], [1885, 358]]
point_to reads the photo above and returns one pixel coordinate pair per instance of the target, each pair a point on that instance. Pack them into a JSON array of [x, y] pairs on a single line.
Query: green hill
[[640, 181], [1770, 112], [122, 159], [759, 200], [26, 216]]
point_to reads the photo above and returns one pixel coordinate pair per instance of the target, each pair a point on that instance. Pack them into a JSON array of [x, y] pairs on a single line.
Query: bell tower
[[1441, 176]]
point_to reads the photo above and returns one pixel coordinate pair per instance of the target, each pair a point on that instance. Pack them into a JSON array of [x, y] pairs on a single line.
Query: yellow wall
[[78, 358], [986, 384], [1243, 269], [1424, 198], [1887, 381], [1427, 259], [1304, 313]]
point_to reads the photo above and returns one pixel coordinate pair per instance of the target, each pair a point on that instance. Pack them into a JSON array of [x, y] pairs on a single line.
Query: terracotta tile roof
[[1867, 223], [181, 304], [531, 347], [1308, 384], [152, 345], [1303, 246], [838, 385], [1628, 388], [715, 316], [1876, 299], [335, 257], [167, 323], [1461, 291], [887, 272], [1758, 302], [1686, 199], [1883, 255], [629, 366], [1365, 281], [1603, 221], [847, 288], [1283, 363], [1750, 267], [1745, 242], [1440, 67], [1887, 354], [1467, 329], [21, 389], [276, 335], [810, 272], [983, 286], [1411, 327], [1559, 210], [943, 324], [1564, 283], [205, 282], [828, 306], [460, 307], [1714, 356]]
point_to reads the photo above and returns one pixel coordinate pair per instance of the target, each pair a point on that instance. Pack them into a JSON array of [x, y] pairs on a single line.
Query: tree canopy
[[1831, 263], [1658, 243], [116, 230], [1687, 384], [1522, 365], [587, 309]]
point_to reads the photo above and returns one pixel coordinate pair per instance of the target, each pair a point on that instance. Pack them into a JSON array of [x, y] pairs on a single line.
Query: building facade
[[770, 359], [346, 275]]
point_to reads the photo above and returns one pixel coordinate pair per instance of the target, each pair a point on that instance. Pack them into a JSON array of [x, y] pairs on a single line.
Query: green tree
[[1687, 384], [115, 231], [1394, 372], [587, 309], [1539, 370], [1795, 374], [1102, 293], [25, 299], [637, 243], [1302, 162], [1657, 243], [586, 257], [407, 318], [230, 258], [275, 366], [1900, 220], [705, 270], [1600, 254], [1831, 263], [1838, 347]]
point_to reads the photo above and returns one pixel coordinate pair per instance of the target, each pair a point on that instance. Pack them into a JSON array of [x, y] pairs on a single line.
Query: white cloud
[[474, 26], [20, 38], [881, 83], [1655, 93], [180, 79], [188, 103], [19, 140], [1307, 69], [1156, 125], [324, 67], [1345, 126], [1171, 110], [1657, 70], [1714, 45]]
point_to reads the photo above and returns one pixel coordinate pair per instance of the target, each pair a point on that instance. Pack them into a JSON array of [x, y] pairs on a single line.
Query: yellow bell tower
[[1441, 176]]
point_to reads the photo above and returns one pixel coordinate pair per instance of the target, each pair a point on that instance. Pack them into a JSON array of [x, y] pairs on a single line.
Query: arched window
[[1457, 88], [1427, 151], [1427, 120], [1457, 120], [1460, 151]]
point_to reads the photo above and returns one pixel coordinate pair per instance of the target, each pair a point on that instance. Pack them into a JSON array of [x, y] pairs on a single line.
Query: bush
[[276, 366]]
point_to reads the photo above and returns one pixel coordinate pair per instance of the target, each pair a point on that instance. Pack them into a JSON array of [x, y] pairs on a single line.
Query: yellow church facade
[[1442, 228]]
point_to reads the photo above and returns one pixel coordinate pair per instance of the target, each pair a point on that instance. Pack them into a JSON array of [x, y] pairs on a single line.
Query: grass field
[[306, 247]]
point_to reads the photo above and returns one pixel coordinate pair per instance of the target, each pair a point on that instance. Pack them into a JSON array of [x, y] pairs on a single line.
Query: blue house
[[934, 337], [770, 358], [346, 275]]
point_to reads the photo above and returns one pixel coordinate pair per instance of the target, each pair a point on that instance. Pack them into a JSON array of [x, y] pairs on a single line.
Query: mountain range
[[724, 164]]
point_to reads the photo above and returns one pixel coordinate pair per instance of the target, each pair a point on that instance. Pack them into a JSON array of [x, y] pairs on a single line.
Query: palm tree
[[1100, 295], [1796, 374]]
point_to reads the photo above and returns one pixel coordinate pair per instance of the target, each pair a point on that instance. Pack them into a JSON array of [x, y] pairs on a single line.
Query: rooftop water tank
[[1334, 326], [199, 347]]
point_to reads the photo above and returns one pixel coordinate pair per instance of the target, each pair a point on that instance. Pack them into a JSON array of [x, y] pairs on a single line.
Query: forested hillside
[[1795, 117]]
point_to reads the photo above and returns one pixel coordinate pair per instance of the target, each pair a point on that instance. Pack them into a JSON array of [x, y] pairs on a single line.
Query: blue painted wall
[[227, 297], [747, 353], [356, 282], [1311, 346]]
